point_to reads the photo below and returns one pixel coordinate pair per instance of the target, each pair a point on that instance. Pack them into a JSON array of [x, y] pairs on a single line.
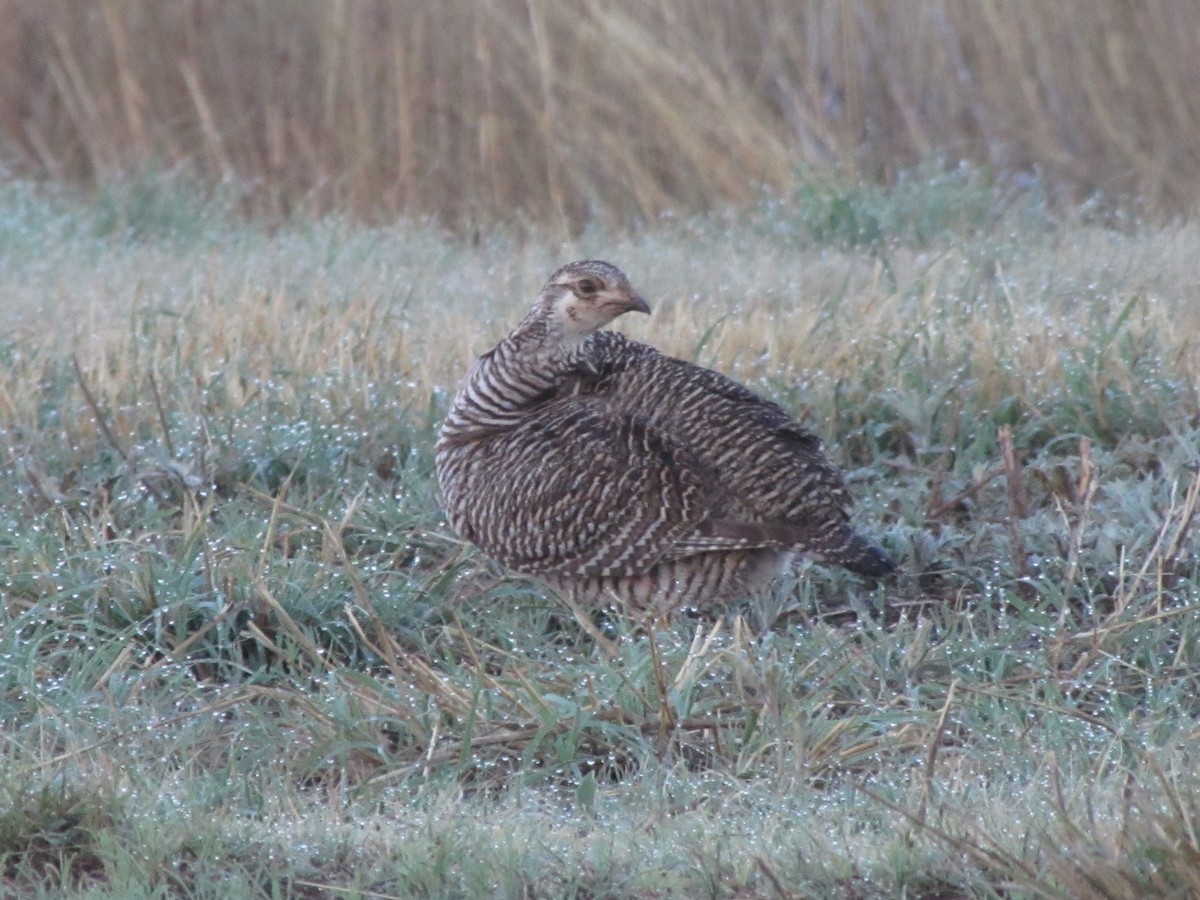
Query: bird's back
[[760, 454]]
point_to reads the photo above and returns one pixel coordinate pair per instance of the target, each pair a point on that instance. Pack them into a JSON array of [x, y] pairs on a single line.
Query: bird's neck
[[521, 372]]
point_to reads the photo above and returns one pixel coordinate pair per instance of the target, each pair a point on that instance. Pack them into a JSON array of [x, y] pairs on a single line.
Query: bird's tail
[[854, 552]]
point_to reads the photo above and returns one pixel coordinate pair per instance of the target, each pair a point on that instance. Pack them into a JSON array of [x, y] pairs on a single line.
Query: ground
[[242, 653]]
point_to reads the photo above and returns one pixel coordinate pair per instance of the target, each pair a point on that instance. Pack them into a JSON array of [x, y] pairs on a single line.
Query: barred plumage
[[609, 469]]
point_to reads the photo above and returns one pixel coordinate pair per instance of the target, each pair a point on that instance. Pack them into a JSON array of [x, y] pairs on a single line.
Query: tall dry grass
[[564, 112]]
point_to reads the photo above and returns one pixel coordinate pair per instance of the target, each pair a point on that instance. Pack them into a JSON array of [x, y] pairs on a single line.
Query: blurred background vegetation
[[564, 113]]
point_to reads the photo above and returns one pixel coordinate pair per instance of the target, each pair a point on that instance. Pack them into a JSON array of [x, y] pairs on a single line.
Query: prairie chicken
[[608, 469]]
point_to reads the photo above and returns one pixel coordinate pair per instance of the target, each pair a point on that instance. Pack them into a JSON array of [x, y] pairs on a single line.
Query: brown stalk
[[943, 507], [233, 698], [1185, 516], [983, 855], [162, 415], [206, 118], [1085, 494], [666, 715], [776, 883], [133, 99], [98, 416], [935, 743], [101, 423], [1018, 508], [294, 631]]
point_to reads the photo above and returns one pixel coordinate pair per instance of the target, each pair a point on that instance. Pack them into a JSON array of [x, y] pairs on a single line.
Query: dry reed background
[[565, 112]]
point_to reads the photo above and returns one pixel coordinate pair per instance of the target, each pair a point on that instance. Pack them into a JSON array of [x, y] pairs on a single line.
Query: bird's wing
[[580, 490], [774, 463], [714, 535]]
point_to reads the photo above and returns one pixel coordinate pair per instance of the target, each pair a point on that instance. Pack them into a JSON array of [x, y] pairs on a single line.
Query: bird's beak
[[637, 303]]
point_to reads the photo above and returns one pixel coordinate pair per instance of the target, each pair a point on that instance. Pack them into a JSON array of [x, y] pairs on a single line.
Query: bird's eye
[[586, 286]]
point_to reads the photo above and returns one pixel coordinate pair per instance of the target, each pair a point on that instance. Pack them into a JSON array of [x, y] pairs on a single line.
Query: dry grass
[[1043, 326], [562, 113]]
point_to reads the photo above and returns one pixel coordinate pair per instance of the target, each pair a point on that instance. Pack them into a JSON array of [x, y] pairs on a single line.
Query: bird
[[614, 472]]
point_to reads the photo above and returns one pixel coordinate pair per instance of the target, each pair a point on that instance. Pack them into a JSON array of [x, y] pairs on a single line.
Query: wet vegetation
[[241, 653]]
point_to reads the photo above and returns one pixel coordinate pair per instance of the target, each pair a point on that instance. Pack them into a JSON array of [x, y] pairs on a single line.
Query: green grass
[[242, 655]]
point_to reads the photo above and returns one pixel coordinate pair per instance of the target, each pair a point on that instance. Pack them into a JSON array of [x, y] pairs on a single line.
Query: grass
[[561, 114], [241, 653]]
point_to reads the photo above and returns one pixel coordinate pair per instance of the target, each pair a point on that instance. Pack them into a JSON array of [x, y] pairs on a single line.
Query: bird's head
[[584, 296]]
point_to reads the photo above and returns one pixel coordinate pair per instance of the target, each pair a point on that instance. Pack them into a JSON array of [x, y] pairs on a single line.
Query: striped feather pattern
[[772, 463], [613, 471]]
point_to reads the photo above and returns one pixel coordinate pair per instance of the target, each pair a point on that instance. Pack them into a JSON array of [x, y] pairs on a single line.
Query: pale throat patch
[[577, 324]]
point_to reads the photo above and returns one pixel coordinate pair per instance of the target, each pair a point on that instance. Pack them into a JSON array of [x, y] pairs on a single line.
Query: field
[[241, 654], [248, 248]]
